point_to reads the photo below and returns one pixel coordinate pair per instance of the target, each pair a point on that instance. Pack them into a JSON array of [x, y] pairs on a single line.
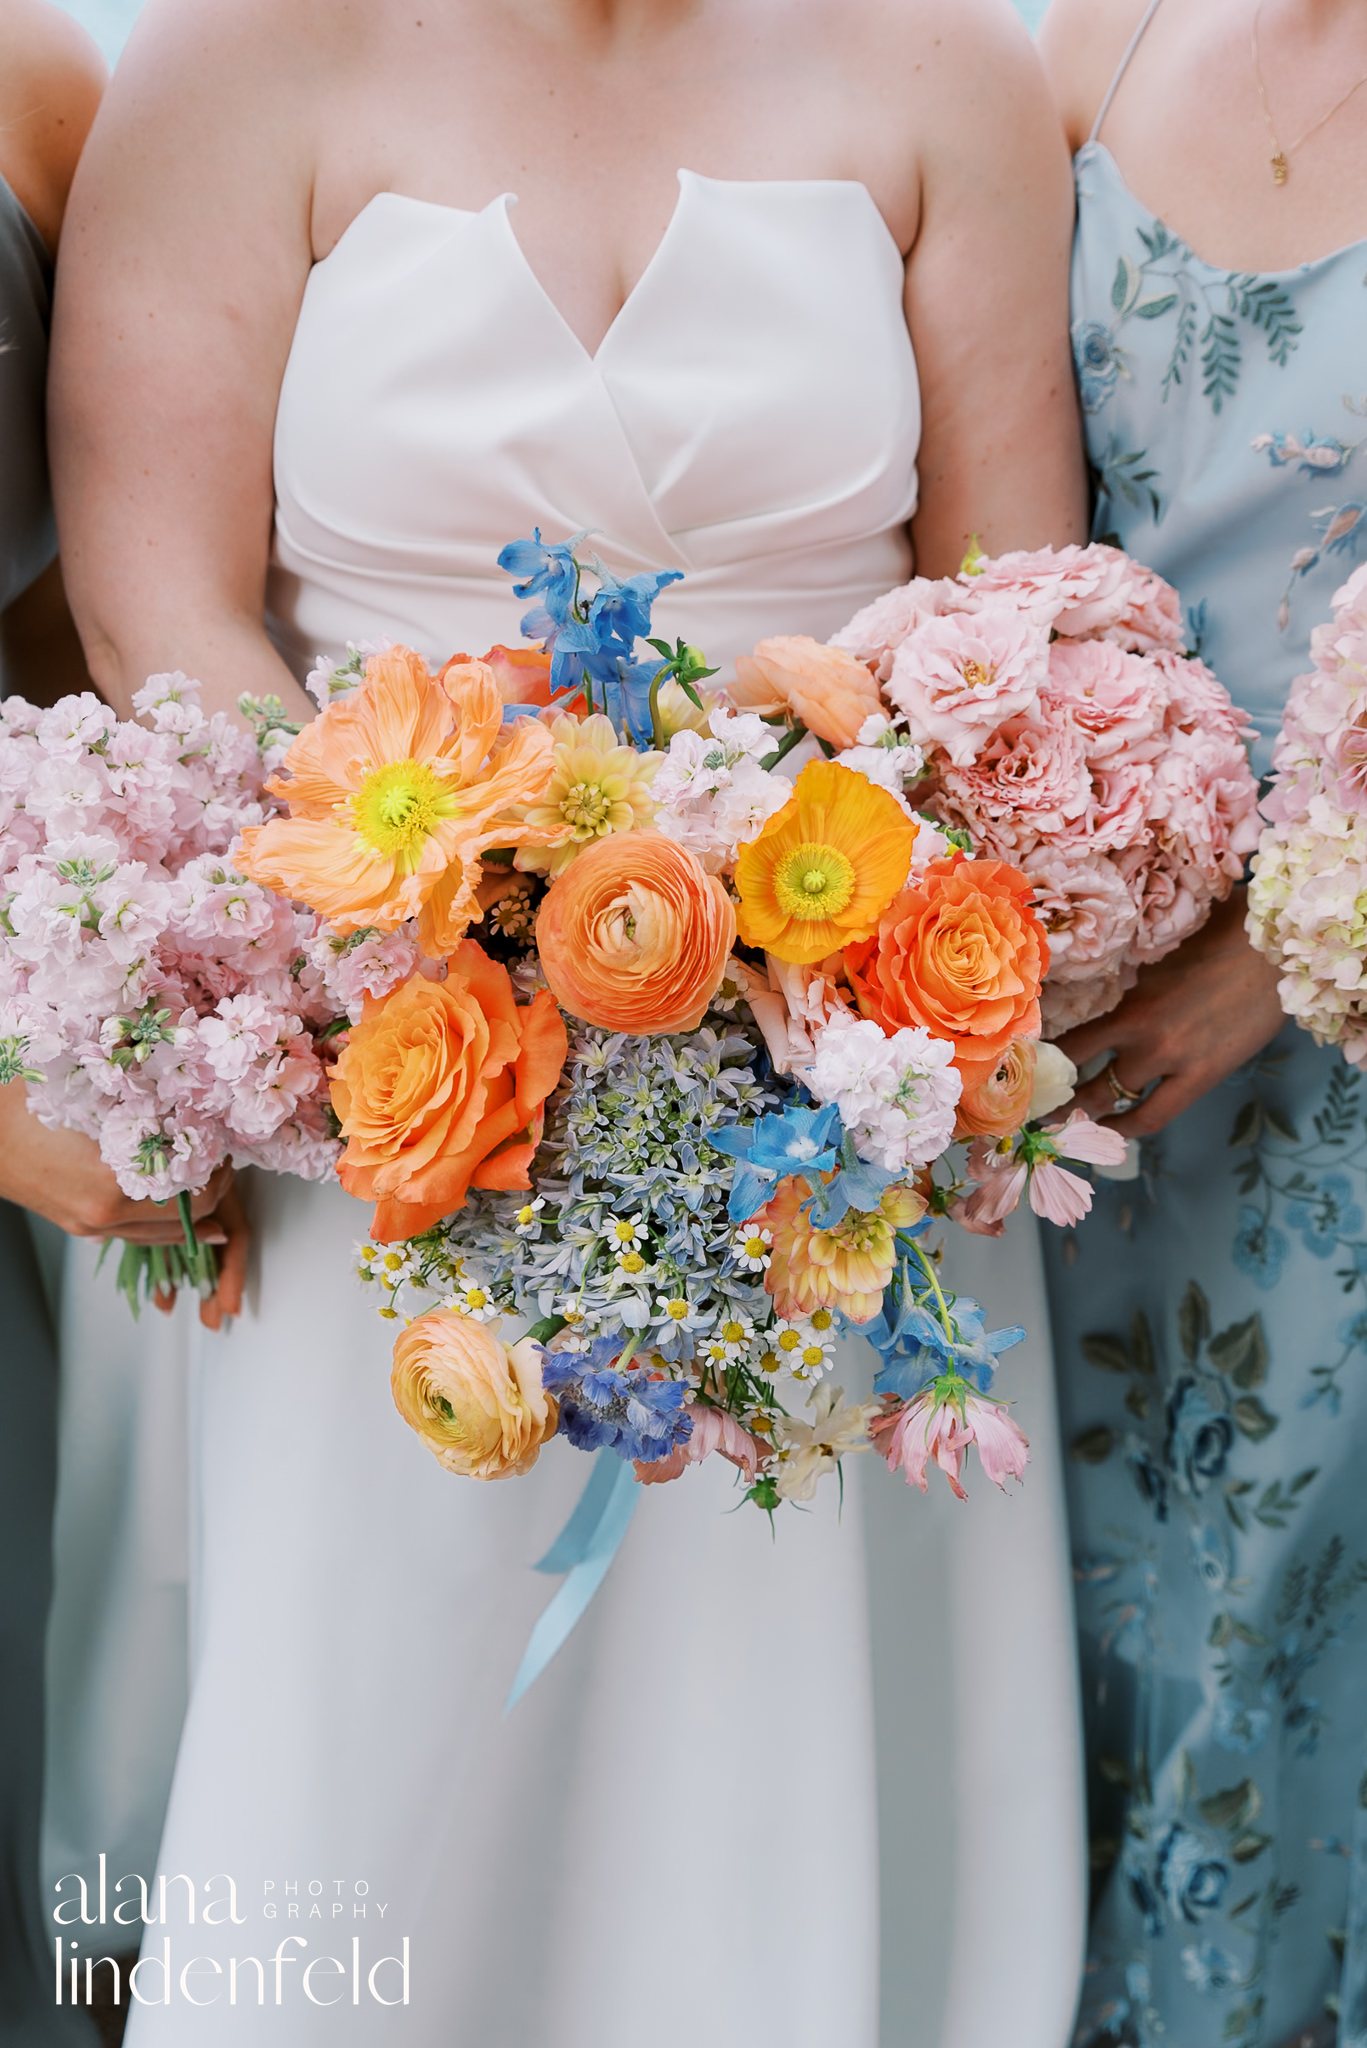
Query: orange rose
[[996, 1100], [635, 936], [828, 690], [476, 1402], [441, 1088], [961, 952]]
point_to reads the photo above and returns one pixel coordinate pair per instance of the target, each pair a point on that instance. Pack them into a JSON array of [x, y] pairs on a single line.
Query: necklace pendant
[[1281, 169]]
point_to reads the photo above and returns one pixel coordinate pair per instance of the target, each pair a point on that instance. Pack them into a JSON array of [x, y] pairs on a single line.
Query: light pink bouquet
[[150, 995], [1307, 902], [1059, 724]]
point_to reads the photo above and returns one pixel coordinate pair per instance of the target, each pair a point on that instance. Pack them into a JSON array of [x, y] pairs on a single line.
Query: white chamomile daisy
[[626, 1233], [804, 1350], [736, 1335], [631, 1262], [528, 1219], [473, 1301], [752, 1248]]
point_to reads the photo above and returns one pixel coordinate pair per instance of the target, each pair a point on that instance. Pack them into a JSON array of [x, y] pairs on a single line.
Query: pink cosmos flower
[[955, 679], [713, 1430], [1003, 1172], [928, 1431]]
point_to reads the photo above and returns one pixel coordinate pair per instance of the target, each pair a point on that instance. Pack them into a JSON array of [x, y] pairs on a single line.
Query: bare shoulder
[[51, 78], [221, 50], [970, 49], [1082, 43]]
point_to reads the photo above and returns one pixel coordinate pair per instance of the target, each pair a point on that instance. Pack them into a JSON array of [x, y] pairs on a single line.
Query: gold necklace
[[1281, 158]]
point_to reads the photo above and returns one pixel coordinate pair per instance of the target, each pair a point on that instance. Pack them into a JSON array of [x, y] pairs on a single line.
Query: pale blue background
[[110, 20]]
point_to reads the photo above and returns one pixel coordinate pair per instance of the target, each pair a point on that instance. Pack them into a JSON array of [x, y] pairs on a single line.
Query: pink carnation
[[1116, 700], [1093, 590]]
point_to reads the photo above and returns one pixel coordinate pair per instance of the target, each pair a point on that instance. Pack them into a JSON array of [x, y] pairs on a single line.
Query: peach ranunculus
[[441, 1088], [826, 688], [394, 795], [996, 1100], [476, 1402], [845, 1268], [962, 953], [635, 935], [818, 874]]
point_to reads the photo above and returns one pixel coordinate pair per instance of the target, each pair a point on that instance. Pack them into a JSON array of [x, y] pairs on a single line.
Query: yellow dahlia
[[847, 1267], [597, 786], [824, 868]]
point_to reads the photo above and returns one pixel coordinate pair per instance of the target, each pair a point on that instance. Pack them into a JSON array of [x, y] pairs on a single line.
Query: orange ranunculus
[[823, 869], [846, 1268], [827, 689], [476, 1402], [996, 1099], [441, 1088], [635, 935], [962, 952], [395, 793]]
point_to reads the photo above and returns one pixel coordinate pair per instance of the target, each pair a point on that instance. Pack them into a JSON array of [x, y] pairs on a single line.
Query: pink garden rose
[[1029, 781], [1088, 910], [1094, 590], [1115, 700], [955, 679], [875, 633]]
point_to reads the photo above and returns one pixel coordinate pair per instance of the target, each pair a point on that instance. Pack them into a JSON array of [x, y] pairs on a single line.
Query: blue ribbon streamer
[[584, 1549]]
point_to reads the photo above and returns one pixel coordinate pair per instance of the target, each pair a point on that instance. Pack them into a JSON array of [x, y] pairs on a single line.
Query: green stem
[[785, 746], [625, 1360], [187, 1224], [548, 1327], [927, 1266]]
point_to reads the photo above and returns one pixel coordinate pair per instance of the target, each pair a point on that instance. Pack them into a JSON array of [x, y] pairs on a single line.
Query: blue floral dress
[[1210, 1318]]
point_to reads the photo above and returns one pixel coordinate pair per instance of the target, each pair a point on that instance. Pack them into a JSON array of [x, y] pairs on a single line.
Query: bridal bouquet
[[1307, 905], [1046, 704], [687, 1103], [150, 995]]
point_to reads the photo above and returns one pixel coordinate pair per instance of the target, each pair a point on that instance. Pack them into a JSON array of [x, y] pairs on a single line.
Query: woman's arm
[[185, 258], [987, 301]]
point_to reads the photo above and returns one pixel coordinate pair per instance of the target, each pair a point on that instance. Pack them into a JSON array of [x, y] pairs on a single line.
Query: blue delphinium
[[591, 640], [797, 1140], [915, 1347], [604, 1409]]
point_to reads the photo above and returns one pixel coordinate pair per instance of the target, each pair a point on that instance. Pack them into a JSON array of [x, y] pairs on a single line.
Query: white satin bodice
[[752, 417]]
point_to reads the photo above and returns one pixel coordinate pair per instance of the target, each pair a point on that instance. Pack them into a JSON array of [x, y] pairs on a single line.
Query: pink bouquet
[[1058, 723], [151, 996], [1307, 909]]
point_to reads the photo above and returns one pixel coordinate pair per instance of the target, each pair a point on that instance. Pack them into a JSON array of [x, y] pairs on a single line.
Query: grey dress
[[28, 1357]]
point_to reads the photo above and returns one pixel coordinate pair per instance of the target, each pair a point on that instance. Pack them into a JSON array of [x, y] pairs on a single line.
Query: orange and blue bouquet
[[702, 1017]]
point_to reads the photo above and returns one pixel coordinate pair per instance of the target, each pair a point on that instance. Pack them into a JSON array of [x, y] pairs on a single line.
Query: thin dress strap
[[1135, 40]]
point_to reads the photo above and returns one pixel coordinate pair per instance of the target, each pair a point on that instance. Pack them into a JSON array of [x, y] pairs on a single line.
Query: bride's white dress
[[757, 1764]]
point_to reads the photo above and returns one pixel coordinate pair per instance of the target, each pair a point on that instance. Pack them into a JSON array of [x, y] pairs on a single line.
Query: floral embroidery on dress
[[1338, 529], [1199, 1848]]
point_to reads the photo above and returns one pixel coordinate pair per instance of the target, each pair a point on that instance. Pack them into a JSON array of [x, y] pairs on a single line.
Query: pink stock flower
[[931, 1430], [956, 678], [713, 1430]]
